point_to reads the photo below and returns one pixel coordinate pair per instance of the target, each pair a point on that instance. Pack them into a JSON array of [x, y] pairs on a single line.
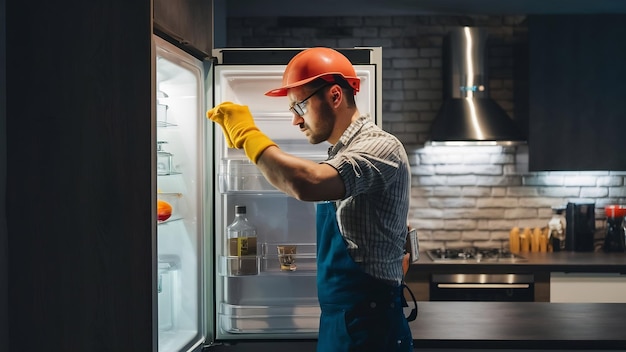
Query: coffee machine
[[581, 226], [615, 228]]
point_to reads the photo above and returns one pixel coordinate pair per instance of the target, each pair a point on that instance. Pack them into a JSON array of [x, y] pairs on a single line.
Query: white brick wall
[[478, 194], [459, 195]]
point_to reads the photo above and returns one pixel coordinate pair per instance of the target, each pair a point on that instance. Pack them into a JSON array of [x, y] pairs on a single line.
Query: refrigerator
[[201, 300]]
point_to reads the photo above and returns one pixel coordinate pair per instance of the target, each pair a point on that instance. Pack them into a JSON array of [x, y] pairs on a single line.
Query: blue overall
[[359, 313]]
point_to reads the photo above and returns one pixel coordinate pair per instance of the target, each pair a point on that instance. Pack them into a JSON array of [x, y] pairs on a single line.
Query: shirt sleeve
[[367, 165]]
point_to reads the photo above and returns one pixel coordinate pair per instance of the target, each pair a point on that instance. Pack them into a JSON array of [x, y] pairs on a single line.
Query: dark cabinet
[[186, 23], [80, 185], [577, 95]]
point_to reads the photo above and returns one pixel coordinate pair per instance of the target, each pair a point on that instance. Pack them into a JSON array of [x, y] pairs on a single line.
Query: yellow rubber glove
[[239, 129]]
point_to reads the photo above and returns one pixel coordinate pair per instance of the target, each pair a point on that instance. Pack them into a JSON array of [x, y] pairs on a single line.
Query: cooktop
[[473, 254]]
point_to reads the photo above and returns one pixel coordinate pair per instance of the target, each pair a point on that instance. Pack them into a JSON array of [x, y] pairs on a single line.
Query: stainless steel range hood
[[468, 116]]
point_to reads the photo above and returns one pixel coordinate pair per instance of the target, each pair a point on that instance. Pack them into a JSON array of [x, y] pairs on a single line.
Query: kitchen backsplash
[[460, 195], [477, 194]]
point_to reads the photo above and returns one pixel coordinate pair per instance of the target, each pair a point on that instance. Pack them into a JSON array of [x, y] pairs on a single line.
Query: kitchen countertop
[[535, 262], [502, 326], [519, 325]]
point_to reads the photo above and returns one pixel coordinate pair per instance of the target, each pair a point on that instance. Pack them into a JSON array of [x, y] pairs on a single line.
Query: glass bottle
[[242, 244], [556, 228]]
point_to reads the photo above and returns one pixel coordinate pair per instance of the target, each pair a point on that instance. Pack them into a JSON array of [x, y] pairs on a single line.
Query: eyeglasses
[[298, 108]]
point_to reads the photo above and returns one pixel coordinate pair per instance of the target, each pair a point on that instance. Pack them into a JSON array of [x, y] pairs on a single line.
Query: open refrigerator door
[[276, 297], [183, 210]]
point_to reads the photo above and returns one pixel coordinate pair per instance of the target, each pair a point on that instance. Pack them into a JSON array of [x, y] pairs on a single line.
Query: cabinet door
[[577, 95], [80, 213], [588, 287], [188, 23]]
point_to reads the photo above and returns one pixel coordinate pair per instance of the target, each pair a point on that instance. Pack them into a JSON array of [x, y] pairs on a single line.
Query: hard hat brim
[[282, 91]]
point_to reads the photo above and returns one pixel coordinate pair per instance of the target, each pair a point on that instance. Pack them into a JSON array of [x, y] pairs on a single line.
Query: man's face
[[318, 120]]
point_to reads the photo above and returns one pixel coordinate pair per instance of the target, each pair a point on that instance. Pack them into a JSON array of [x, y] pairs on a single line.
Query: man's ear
[[335, 92]]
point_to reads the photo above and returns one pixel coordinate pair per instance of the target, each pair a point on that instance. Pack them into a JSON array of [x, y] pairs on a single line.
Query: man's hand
[[239, 129]]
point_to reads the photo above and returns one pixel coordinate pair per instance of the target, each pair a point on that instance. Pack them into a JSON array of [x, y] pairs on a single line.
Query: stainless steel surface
[[482, 287], [467, 114], [473, 255], [483, 278]]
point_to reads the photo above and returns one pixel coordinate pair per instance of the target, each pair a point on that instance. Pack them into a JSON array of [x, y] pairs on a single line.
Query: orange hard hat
[[313, 63]]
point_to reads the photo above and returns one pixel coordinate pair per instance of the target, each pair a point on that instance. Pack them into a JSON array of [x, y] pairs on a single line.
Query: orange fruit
[[164, 210]]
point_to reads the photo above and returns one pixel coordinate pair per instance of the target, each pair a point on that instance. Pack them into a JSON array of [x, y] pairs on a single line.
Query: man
[[363, 189]]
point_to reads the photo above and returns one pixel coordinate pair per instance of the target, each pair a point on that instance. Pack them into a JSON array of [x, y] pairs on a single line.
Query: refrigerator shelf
[[164, 124], [174, 199], [241, 175], [171, 219], [236, 319], [166, 287], [170, 194], [169, 173]]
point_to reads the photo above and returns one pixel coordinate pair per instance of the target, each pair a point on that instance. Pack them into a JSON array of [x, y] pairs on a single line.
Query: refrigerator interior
[[272, 303], [180, 182]]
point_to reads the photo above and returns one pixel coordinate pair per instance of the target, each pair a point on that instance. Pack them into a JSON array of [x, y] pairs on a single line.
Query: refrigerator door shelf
[[245, 265], [288, 258], [298, 259], [304, 266], [269, 319]]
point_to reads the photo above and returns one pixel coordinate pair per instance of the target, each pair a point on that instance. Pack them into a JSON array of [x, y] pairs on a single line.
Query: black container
[[581, 227], [615, 236]]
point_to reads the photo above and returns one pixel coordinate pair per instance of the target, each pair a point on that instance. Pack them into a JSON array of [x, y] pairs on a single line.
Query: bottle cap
[[240, 209]]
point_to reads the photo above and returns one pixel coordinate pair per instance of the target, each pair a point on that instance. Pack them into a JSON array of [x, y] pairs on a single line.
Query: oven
[[482, 287], [514, 287]]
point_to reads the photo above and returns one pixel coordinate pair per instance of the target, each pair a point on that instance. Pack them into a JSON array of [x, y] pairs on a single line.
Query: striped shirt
[[372, 216]]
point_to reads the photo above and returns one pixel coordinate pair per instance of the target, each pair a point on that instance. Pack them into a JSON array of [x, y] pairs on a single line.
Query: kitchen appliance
[[201, 302], [614, 240], [581, 226], [468, 115], [482, 287], [476, 286], [473, 254]]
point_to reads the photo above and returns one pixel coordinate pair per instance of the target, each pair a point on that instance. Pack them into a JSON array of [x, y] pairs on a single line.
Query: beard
[[325, 124]]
